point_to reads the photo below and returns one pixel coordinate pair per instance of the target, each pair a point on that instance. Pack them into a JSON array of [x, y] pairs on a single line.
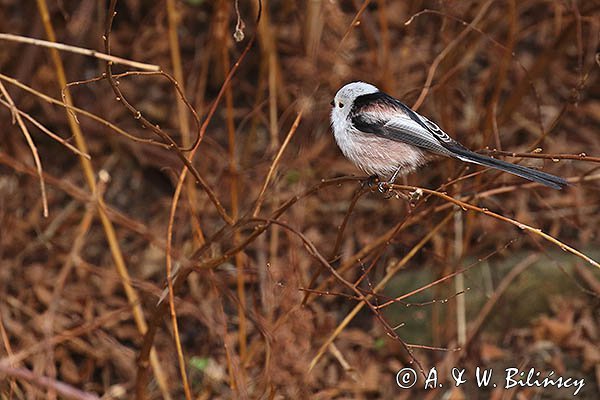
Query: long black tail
[[524, 172]]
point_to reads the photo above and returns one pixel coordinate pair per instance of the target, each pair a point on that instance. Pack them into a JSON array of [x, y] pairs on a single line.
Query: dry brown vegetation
[[205, 238]]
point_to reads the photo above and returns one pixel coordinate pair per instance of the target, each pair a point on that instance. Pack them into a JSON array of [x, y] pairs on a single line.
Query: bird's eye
[[340, 105]]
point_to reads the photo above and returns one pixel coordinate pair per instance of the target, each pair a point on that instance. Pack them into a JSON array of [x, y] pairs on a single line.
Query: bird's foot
[[414, 197], [370, 182], [384, 187]]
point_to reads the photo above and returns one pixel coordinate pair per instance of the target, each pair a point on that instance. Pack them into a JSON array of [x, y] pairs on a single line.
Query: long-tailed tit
[[384, 137]]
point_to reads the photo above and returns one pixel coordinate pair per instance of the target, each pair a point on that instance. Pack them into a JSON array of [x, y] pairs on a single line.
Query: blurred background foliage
[[515, 76]]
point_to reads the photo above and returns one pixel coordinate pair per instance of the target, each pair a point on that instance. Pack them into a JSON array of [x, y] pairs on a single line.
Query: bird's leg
[[386, 186], [415, 196], [371, 181]]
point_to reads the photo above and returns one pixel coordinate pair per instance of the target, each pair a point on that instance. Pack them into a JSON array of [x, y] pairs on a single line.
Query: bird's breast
[[379, 156]]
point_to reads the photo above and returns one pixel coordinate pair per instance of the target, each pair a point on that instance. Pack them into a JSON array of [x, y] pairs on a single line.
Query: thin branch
[[46, 130], [275, 163], [520, 225], [76, 110], [364, 299], [145, 351], [109, 230], [185, 135], [547, 156], [65, 390], [389, 274], [36, 157], [78, 50], [446, 51], [138, 115]]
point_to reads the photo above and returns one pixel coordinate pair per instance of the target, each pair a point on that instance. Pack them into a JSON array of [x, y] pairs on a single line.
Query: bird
[[385, 138]]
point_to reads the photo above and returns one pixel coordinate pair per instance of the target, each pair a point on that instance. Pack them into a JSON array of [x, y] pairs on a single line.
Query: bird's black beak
[[332, 103]]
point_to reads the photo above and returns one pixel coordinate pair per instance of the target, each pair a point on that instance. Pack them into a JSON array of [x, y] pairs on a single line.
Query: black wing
[[385, 116]]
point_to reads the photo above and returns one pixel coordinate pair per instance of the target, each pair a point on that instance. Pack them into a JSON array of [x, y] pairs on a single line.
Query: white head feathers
[[351, 91], [343, 100]]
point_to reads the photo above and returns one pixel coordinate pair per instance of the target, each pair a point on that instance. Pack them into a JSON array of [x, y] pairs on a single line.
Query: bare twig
[[498, 292], [275, 163], [65, 390], [159, 310], [185, 134], [88, 171], [76, 110], [78, 50], [166, 138], [364, 299], [46, 130], [520, 225], [546, 156], [432, 69], [34, 152], [382, 283]]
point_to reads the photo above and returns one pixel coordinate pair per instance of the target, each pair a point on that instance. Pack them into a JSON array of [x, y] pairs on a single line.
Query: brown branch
[[65, 390], [36, 157], [275, 163], [364, 299], [89, 175], [76, 110], [165, 137], [78, 50], [47, 131], [338, 241], [142, 372], [547, 156], [520, 225], [382, 283], [446, 51]]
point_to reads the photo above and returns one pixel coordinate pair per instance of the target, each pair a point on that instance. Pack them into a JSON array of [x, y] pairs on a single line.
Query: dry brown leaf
[[69, 370], [552, 329], [456, 393], [591, 355], [490, 352]]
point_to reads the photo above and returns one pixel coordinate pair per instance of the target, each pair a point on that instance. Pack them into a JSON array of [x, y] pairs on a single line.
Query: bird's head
[[344, 98]]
